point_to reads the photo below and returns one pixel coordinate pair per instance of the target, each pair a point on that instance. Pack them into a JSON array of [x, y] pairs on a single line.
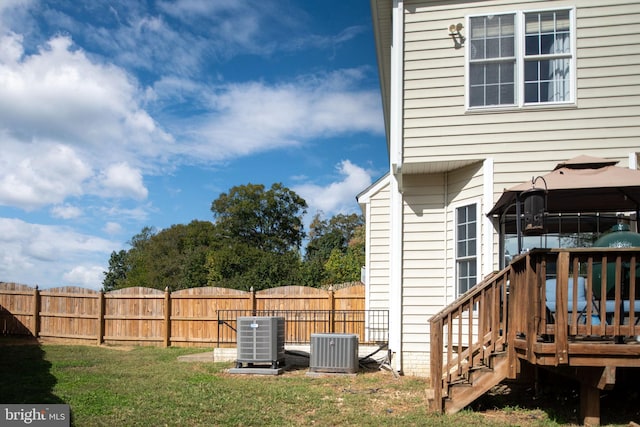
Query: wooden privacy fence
[[188, 317]]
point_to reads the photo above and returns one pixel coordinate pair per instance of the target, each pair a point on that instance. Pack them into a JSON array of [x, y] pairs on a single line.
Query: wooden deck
[[576, 311]]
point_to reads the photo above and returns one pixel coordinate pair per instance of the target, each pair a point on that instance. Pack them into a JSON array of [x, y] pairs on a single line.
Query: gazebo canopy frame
[[582, 184]]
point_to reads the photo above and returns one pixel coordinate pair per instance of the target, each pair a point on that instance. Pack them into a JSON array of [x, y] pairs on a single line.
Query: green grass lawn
[[148, 386]]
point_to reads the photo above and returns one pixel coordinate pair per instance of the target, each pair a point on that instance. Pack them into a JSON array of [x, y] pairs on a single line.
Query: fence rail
[[185, 318], [370, 325]]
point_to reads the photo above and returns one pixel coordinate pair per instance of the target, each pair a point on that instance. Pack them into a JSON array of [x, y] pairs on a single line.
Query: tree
[[116, 277], [334, 244], [240, 266], [260, 233], [138, 270], [173, 258], [269, 220]]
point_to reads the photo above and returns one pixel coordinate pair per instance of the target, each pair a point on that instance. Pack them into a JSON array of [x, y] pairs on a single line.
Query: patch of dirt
[[558, 399]]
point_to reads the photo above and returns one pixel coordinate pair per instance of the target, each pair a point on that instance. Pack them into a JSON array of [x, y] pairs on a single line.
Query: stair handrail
[[485, 308]]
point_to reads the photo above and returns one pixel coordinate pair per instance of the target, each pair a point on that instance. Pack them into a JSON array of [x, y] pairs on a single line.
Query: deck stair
[[479, 380]]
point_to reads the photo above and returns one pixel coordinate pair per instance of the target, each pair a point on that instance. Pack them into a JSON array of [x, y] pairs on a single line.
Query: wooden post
[[530, 307], [511, 307], [437, 347], [35, 328], [562, 305], [253, 303], [100, 327], [589, 404], [332, 307], [167, 317], [632, 293]]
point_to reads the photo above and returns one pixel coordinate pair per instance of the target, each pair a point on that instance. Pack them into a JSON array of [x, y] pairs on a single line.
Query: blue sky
[[120, 114]]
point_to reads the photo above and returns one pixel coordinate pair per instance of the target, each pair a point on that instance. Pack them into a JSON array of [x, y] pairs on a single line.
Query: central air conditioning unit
[[260, 341], [334, 353]]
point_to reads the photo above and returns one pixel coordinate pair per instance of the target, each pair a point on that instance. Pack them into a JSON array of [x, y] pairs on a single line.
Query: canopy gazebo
[[581, 184]]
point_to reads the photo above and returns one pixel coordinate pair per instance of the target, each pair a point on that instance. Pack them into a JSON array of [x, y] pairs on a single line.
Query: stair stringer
[[481, 381]]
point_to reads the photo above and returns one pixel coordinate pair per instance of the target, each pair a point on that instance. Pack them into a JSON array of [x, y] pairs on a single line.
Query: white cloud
[[231, 27], [338, 196], [59, 94], [41, 254], [34, 175], [12, 11], [64, 116], [86, 276], [112, 228], [253, 117], [66, 211], [138, 214], [121, 180]]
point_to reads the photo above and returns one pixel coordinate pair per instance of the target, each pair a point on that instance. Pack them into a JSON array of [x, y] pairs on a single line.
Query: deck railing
[[595, 293], [547, 306]]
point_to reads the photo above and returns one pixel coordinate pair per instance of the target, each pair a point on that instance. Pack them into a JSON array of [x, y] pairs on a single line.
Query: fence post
[[252, 297], [100, 317], [332, 313], [36, 312], [167, 317]]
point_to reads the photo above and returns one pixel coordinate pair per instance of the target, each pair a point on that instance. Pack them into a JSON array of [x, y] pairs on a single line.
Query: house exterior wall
[[378, 250], [603, 122], [428, 273], [446, 148]]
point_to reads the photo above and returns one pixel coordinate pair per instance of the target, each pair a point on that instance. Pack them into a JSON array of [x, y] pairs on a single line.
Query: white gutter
[[396, 86]]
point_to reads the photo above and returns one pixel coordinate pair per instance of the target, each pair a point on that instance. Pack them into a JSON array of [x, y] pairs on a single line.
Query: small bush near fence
[[189, 317]]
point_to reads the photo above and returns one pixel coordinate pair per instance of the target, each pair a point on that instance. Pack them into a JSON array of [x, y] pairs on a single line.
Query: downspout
[[519, 223], [487, 250], [395, 214], [445, 289], [367, 268], [633, 164]]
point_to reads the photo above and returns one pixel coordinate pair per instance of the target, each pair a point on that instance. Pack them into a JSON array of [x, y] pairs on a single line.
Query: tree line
[[255, 240]]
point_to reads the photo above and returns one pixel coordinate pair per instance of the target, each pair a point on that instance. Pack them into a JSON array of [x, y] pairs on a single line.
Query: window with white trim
[[521, 58], [466, 247]]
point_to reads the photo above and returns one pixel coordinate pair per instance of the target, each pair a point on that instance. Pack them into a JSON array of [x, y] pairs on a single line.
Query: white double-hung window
[[520, 59], [466, 247]]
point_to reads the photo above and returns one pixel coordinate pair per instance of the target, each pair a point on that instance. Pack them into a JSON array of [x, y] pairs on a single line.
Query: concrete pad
[[225, 354], [314, 374], [198, 357]]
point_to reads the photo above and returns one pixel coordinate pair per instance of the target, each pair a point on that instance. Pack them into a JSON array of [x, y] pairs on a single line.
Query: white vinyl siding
[[604, 120], [379, 251], [424, 267], [376, 209]]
